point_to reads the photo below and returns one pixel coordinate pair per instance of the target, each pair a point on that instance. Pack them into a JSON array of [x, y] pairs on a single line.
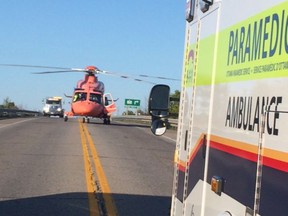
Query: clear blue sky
[[129, 37]]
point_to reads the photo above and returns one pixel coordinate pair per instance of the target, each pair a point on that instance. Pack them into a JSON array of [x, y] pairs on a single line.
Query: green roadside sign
[[132, 103]]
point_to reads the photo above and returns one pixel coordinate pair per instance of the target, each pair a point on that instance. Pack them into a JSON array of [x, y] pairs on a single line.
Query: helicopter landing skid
[[70, 115], [107, 120], [85, 119]]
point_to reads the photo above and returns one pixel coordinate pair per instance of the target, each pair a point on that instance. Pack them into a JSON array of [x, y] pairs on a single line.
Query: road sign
[[132, 103]]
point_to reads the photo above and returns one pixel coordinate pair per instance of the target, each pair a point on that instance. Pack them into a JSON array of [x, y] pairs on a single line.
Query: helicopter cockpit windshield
[[96, 98], [79, 96]]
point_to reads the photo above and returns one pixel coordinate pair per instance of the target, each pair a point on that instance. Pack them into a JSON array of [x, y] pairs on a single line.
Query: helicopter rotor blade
[[32, 66], [156, 77], [126, 77], [67, 71], [60, 71], [138, 75], [90, 71]]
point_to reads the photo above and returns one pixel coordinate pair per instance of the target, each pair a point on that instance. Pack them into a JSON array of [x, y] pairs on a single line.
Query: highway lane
[[43, 168]]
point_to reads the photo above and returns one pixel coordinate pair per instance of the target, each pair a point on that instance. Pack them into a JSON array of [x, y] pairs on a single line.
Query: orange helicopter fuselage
[[87, 108], [89, 99]]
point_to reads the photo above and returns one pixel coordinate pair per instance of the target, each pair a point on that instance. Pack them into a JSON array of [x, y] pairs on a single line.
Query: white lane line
[[169, 138], [163, 136], [14, 123]]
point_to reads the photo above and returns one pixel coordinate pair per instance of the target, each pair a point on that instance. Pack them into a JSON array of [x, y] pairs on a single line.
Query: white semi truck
[[53, 107], [231, 154]]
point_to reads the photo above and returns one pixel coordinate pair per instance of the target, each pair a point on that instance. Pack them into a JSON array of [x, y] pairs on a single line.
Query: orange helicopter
[[89, 99]]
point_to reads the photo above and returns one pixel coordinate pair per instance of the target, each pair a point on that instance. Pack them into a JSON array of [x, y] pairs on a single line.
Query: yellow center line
[[106, 192], [90, 183]]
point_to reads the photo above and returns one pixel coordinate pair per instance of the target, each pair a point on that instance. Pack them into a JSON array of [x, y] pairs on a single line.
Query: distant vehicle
[[53, 107]]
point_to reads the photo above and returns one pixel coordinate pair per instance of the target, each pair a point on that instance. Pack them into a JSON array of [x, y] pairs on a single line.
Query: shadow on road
[[76, 204], [120, 124], [97, 122]]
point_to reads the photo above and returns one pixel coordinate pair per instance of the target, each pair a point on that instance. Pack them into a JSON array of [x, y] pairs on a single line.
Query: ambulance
[[231, 156]]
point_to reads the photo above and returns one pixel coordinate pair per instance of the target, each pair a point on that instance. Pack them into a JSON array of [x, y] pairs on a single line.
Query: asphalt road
[[52, 167]]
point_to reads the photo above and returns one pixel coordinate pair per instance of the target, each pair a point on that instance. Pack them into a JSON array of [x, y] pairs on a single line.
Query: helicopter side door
[[109, 103]]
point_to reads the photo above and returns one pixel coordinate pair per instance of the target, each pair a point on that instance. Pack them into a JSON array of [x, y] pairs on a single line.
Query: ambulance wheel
[[83, 120], [65, 118]]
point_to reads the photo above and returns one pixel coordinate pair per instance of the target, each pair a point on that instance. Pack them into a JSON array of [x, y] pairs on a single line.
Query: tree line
[[8, 104]]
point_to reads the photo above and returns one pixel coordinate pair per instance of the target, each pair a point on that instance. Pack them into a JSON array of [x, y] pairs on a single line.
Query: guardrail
[[14, 113], [172, 123]]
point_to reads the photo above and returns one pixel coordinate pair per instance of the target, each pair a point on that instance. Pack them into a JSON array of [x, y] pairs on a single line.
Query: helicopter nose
[[86, 108]]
